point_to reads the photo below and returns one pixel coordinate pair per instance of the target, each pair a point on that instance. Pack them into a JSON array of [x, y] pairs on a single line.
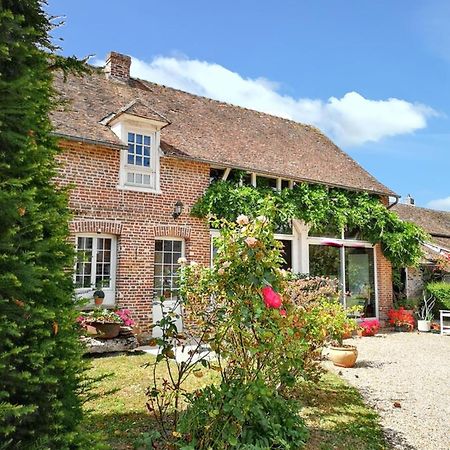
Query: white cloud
[[441, 203], [351, 120]]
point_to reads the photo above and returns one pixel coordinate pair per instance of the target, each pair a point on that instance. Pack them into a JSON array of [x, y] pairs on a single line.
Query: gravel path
[[406, 377]]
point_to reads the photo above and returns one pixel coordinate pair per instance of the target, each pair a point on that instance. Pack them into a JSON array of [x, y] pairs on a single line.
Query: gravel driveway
[[406, 377]]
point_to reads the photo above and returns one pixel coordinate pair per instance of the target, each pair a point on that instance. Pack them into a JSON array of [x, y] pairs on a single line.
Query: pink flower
[[271, 298], [242, 220], [221, 271], [251, 242], [283, 313]]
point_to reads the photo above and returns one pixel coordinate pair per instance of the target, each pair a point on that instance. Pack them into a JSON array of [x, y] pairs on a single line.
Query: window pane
[[165, 274], [147, 140], [158, 246], [130, 137], [284, 184], [130, 159], [139, 138], [324, 261], [360, 279], [287, 253], [138, 149]]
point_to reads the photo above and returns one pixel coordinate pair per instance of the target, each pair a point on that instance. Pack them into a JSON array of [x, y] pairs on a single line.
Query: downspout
[[393, 204]]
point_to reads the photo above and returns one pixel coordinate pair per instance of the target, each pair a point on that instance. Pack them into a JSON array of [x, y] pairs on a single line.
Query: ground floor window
[[167, 253], [354, 267], [165, 281], [95, 265]]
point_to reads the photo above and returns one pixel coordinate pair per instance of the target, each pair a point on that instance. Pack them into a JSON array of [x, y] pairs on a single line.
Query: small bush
[[241, 416], [441, 292]]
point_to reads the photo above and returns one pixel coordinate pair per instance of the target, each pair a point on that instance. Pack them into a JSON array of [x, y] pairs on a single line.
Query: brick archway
[[96, 226]]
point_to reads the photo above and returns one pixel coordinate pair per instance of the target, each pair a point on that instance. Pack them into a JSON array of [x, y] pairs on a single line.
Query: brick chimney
[[117, 66]]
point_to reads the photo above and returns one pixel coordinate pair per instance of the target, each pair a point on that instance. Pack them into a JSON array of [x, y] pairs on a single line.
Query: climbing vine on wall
[[321, 207]]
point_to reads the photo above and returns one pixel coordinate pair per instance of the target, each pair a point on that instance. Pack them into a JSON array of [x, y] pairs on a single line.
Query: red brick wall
[[135, 217], [384, 281], [138, 217]]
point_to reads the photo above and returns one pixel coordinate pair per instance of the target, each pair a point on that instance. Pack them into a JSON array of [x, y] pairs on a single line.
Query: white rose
[[242, 220]]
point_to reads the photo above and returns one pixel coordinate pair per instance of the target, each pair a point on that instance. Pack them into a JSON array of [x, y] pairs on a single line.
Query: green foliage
[[320, 207], [266, 329], [441, 292], [41, 368], [251, 416]]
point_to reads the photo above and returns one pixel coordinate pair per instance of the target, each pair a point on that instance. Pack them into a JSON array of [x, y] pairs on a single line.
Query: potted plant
[[368, 327], [106, 322], [339, 323], [401, 319], [425, 314]]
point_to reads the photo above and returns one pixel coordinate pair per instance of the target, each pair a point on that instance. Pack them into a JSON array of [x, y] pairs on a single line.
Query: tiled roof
[[210, 131], [436, 223]]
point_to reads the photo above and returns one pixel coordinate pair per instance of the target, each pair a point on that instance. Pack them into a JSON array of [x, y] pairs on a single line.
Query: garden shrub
[[266, 328], [240, 415], [441, 292], [41, 368]]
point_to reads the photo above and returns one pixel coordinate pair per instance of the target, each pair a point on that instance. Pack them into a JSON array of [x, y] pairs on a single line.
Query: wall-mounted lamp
[[177, 209]]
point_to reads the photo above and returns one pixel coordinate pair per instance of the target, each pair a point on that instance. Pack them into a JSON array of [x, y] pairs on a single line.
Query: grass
[[333, 411]]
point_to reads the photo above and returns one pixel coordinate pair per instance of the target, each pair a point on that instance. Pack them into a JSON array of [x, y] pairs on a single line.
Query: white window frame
[[145, 128], [349, 243], [110, 292], [169, 303]]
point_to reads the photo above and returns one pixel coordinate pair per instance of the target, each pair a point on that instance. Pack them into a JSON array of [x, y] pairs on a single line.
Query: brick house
[[437, 225], [138, 155]]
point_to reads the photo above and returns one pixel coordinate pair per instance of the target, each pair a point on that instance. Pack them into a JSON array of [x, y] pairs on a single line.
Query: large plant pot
[[106, 330], [424, 325], [343, 356]]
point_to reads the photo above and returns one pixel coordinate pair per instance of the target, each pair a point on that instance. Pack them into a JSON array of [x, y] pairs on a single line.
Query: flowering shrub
[[266, 335], [401, 317], [119, 316], [369, 327]]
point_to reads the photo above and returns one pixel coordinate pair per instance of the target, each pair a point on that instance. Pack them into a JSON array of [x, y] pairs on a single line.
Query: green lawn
[[334, 412]]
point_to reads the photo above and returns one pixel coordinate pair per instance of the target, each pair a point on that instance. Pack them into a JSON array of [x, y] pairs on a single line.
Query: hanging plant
[[321, 207]]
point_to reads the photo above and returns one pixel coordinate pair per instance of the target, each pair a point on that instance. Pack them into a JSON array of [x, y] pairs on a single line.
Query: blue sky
[[373, 75]]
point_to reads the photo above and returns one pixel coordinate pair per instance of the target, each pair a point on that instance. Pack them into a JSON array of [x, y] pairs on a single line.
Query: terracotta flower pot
[[106, 330], [344, 355]]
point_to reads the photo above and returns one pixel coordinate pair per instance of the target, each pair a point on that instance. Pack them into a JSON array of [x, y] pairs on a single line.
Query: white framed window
[[140, 160], [139, 166], [165, 280], [95, 266], [351, 261], [167, 253]]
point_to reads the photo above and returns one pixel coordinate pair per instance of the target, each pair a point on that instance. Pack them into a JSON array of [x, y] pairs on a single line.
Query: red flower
[[271, 298], [283, 312]]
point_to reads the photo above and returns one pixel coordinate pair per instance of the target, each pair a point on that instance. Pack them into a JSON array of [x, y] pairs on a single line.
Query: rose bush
[[266, 330]]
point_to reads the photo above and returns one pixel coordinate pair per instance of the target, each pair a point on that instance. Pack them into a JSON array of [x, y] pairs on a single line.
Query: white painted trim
[[121, 128]]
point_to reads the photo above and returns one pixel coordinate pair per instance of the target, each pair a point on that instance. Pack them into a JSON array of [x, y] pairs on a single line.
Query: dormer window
[[139, 166], [138, 126]]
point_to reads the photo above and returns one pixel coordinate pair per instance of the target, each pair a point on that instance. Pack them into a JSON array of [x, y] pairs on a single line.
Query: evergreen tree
[[41, 368]]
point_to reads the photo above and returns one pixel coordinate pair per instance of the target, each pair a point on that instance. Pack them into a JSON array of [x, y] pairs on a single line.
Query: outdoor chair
[[444, 314]]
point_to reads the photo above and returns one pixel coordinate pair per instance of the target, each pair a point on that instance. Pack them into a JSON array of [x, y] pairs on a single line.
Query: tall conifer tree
[[41, 368]]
